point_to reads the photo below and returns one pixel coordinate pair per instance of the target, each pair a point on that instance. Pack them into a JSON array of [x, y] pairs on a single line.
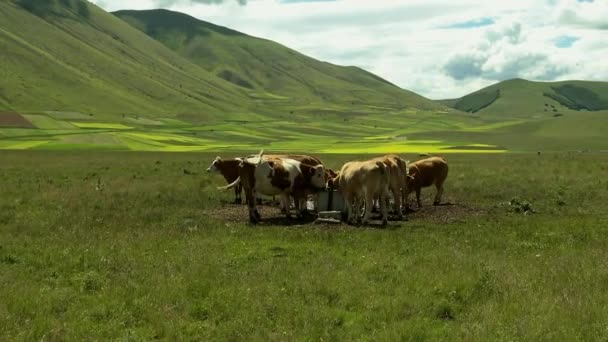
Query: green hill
[[69, 55], [522, 98], [259, 64]]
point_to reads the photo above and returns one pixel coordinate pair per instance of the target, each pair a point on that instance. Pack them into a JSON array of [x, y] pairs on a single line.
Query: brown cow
[[362, 181], [230, 170], [277, 176], [426, 172], [397, 179]]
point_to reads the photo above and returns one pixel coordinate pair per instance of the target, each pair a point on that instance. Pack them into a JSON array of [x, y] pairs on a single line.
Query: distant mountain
[[262, 65], [518, 97], [71, 55]]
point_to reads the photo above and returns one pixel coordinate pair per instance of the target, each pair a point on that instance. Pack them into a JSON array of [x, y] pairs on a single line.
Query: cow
[[426, 172], [229, 169], [362, 181], [277, 176], [305, 159], [397, 180]]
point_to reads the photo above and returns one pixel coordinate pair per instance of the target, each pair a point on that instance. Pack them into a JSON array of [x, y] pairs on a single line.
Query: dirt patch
[[13, 119], [271, 215]]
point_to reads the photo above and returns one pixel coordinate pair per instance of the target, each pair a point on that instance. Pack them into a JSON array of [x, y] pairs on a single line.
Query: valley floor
[[135, 245]]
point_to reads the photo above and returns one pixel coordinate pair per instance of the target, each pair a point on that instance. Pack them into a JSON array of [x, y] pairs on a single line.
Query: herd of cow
[[361, 183]]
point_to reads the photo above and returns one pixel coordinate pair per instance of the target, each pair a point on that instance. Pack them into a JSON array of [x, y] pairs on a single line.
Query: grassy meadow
[[101, 245], [328, 130]]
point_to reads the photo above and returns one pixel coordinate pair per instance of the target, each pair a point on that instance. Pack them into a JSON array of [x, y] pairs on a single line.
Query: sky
[[437, 48]]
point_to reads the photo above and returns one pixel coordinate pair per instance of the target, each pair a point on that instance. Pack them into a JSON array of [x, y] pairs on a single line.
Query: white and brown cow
[[229, 169], [307, 160], [363, 181], [277, 177], [426, 172]]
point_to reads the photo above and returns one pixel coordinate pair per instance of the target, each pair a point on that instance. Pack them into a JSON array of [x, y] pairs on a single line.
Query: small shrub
[[9, 259], [445, 312], [519, 206]]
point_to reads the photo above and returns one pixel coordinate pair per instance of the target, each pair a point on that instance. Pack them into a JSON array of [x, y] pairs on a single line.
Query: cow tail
[[230, 186]]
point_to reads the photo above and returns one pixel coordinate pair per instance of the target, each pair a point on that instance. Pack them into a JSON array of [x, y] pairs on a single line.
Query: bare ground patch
[[445, 213], [13, 119]]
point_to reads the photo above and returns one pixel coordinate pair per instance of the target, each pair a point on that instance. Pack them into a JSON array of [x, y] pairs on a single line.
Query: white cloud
[[411, 42]]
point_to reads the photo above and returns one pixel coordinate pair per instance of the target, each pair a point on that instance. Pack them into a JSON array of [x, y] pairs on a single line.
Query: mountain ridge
[[266, 65], [519, 96]]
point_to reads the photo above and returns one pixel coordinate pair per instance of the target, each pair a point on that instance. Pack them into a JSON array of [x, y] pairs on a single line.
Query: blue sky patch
[[472, 23], [564, 42]]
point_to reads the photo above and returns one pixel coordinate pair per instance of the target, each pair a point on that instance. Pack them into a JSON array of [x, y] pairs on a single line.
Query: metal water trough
[[331, 206]]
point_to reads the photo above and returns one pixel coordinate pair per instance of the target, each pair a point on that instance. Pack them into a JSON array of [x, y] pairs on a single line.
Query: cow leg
[[439, 194], [300, 205], [359, 203], [285, 199], [375, 206], [384, 208], [349, 210], [237, 194], [397, 198], [254, 215], [418, 197], [369, 199]]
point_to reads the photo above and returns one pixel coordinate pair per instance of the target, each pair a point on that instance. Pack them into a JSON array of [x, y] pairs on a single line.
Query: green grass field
[[372, 131], [126, 245]]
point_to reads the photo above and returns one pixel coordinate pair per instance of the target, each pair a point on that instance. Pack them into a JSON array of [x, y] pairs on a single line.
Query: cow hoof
[[384, 223], [436, 203], [238, 201], [401, 218]]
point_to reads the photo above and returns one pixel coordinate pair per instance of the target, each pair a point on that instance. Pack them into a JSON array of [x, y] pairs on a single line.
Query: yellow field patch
[[101, 125]]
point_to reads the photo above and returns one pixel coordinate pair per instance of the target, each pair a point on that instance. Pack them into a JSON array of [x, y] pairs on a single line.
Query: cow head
[[318, 177], [331, 173], [213, 167], [333, 182]]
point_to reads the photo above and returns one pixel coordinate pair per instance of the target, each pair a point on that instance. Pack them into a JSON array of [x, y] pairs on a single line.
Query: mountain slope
[[259, 64], [70, 55], [522, 98]]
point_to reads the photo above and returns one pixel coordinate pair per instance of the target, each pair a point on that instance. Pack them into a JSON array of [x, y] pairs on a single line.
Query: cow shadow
[[286, 222]]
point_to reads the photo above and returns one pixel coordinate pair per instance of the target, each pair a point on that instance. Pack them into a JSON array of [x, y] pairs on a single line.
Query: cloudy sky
[[437, 48]]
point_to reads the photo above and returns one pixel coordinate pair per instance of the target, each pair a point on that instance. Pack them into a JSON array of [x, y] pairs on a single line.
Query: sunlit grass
[[127, 246]]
